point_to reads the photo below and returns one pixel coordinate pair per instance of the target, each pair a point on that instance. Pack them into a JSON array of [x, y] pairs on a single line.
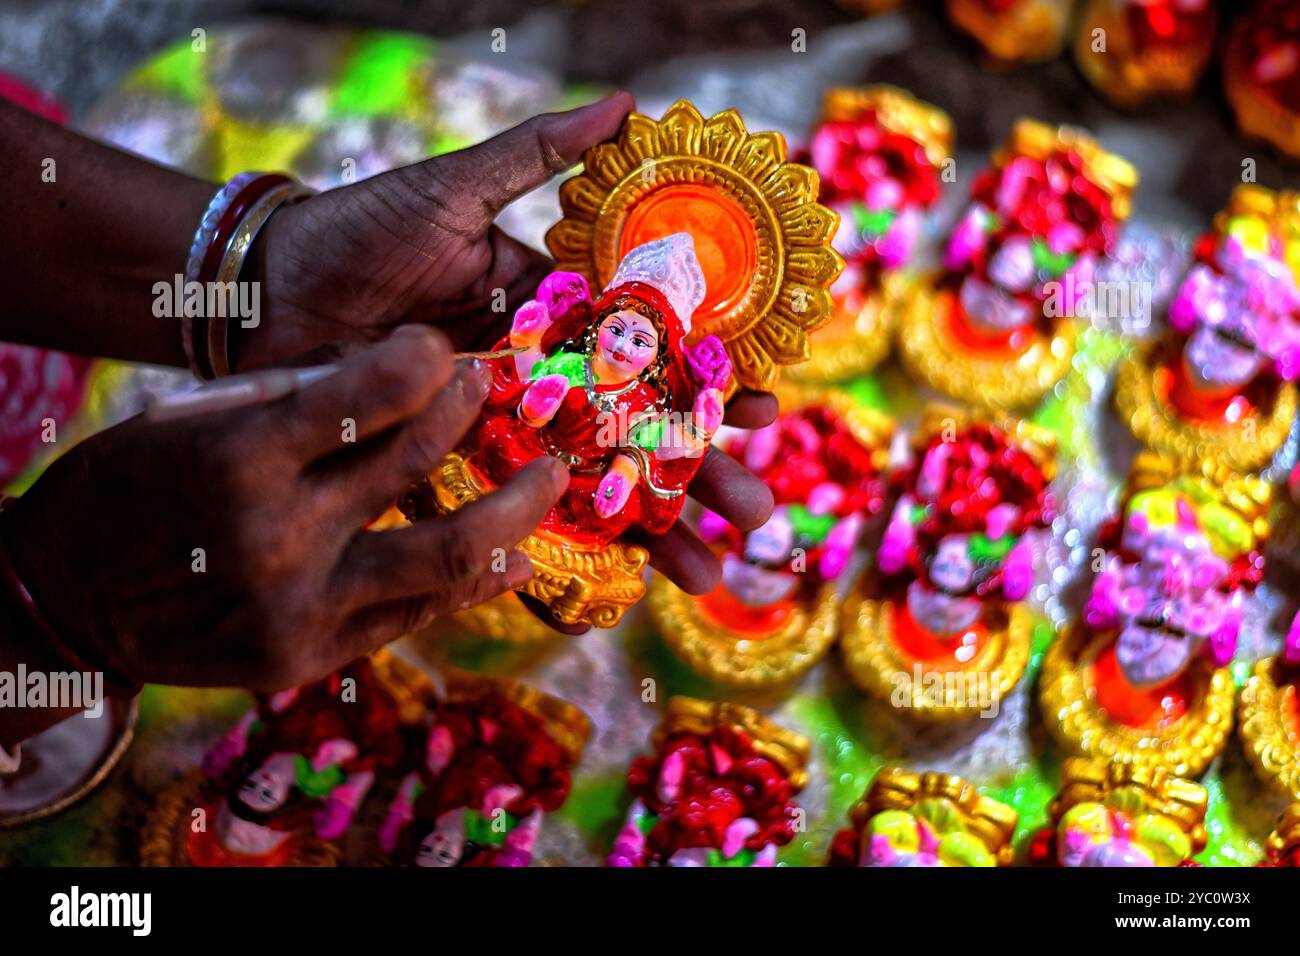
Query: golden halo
[[1268, 729], [1158, 425], [880, 667], [1001, 382], [503, 618], [1082, 727], [739, 192], [745, 660]]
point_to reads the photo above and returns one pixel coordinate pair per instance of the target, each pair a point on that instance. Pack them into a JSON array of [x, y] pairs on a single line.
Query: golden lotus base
[[931, 355], [167, 831], [745, 660], [1154, 422], [1082, 727], [1269, 730], [853, 343], [579, 584], [884, 670]]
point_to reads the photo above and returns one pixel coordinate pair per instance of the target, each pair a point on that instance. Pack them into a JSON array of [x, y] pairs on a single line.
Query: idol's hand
[[416, 244], [542, 399], [226, 549]]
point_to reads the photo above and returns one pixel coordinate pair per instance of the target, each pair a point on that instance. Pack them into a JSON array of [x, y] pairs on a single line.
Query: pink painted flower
[[709, 363]]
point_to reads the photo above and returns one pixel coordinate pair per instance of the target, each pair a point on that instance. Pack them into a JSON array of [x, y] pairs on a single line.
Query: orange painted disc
[[725, 241]]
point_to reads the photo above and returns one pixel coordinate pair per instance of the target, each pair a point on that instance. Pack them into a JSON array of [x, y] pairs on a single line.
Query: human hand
[[416, 244], [225, 549]]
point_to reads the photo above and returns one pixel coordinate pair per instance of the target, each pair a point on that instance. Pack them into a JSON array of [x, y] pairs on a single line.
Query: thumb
[[470, 186]]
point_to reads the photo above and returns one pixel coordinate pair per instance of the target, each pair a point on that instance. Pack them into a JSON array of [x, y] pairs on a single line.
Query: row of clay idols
[[1030, 261], [1136, 51], [468, 771]]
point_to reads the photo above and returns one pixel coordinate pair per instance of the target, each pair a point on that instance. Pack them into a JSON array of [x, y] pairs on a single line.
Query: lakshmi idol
[[1119, 814], [611, 389], [714, 262], [997, 326], [924, 820], [495, 760], [1142, 677], [776, 611], [1135, 50], [945, 602], [881, 155], [1261, 73], [286, 781], [1221, 384], [718, 791]]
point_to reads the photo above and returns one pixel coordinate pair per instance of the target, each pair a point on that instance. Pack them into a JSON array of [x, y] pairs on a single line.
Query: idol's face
[[1224, 354], [951, 568], [627, 343], [442, 847], [264, 790]]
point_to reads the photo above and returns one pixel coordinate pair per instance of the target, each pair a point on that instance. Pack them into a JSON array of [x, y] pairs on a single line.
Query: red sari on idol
[[593, 425]]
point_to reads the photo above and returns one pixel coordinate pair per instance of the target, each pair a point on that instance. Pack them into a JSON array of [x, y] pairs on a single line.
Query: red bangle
[[210, 263], [13, 583]]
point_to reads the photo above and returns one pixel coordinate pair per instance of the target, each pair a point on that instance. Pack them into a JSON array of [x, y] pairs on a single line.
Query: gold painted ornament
[[1162, 814], [997, 328], [912, 145], [1269, 714], [779, 642], [964, 670], [1121, 55], [1021, 31], [925, 819], [763, 241]]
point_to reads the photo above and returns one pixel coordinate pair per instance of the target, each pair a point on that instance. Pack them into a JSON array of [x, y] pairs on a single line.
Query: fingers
[[727, 487], [447, 555], [683, 558], [371, 392], [356, 485], [472, 185], [371, 627], [750, 409]]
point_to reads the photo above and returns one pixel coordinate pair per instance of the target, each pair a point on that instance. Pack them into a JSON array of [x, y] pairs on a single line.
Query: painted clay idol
[[924, 819], [1222, 383], [1261, 73], [283, 785], [1014, 31], [1115, 814], [1143, 676], [494, 761], [997, 326], [712, 261], [939, 626], [776, 612], [1133, 50], [717, 791], [881, 156]]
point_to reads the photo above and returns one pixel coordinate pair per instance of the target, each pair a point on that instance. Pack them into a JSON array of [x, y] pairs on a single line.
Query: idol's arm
[[89, 231]]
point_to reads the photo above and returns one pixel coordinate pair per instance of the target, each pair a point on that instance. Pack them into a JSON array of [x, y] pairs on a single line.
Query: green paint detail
[[177, 71], [596, 806], [380, 76], [873, 223], [1045, 260], [443, 142], [808, 525]]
